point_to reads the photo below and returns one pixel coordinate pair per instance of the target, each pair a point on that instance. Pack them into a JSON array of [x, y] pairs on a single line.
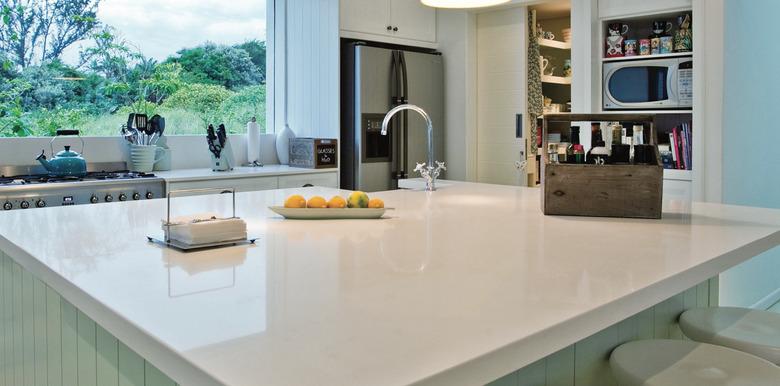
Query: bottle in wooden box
[[313, 153]]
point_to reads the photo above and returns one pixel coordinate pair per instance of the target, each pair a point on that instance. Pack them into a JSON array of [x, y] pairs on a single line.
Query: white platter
[[328, 213]]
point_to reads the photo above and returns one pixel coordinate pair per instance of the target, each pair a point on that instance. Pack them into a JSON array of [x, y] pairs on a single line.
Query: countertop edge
[[157, 353], [516, 355], [211, 175]]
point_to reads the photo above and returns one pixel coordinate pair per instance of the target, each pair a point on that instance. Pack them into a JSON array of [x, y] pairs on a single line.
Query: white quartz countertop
[[180, 175], [457, 287]]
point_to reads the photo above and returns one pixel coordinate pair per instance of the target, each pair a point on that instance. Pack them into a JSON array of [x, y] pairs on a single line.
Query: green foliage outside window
[[40, 93]]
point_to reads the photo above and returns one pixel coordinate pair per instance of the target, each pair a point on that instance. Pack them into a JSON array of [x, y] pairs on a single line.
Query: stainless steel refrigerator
[[374, 79]]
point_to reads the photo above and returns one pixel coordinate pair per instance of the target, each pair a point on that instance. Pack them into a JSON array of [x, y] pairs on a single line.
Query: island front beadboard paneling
[[586, 363], [46, 341]]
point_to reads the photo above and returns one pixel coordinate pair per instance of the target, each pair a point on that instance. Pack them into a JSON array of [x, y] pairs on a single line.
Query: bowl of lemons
[[356, 206]]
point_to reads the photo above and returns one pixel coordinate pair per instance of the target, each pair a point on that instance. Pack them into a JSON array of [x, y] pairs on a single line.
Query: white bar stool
[[666, 362], [752, 331]]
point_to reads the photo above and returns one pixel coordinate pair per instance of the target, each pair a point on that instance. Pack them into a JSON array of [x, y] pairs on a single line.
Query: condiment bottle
[[579, 154], [563, 149], [617, 133], [574, 138], [552, 153], [598, 153], [639, 137]]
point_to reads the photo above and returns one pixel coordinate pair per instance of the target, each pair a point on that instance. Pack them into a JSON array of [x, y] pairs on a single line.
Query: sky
[[159, 28]]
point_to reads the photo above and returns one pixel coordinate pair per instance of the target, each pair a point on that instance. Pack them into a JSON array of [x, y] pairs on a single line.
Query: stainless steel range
[[25, 187]]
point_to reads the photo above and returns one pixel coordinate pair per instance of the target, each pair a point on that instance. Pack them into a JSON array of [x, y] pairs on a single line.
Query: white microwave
[[648, 84]]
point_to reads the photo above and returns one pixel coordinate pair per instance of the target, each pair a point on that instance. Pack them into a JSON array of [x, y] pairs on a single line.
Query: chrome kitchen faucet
[[430, 172]]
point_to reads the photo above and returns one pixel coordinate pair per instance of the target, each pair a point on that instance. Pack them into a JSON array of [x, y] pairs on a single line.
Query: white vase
[[283, 144]]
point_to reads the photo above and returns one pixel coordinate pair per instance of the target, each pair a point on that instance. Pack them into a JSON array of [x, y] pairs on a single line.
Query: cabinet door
[[325, 180], [366, 16], [249, 184], [413, 20]]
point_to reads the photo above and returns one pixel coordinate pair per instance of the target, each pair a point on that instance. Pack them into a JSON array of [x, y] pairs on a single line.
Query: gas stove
[[26, 187]]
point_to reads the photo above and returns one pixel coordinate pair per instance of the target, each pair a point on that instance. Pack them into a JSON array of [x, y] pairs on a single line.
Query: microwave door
[[639, 86], [671, 85]]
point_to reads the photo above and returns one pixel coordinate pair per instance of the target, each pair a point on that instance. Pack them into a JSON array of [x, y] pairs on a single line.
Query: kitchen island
[[456, 287]]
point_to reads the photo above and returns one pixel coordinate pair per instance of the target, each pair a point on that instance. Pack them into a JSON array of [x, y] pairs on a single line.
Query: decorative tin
[[314, 153]]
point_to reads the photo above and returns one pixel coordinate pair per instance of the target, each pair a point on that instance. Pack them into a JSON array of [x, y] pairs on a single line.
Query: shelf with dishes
[[651, 36], [648, 57]]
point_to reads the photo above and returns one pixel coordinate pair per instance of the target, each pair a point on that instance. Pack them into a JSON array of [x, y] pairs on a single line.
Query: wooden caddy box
[[634, 191]]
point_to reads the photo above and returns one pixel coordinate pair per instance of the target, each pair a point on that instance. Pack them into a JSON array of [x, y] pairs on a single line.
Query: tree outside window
[[87, 64]]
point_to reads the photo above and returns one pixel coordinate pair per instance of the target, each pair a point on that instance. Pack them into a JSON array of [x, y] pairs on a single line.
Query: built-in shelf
[[676, 174], [554, 44], [556, 79], [647, 57]]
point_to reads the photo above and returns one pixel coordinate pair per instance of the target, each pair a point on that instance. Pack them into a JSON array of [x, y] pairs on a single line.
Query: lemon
[[376, 203], [357, 200], [316, 202], [295, 201], [337, 202]]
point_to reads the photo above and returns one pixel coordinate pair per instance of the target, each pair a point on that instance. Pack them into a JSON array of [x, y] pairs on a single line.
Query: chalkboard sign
[[313, 153]]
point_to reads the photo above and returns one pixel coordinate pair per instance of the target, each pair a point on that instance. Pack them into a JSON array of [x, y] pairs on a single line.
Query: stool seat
[[752, 331], [666, 362]]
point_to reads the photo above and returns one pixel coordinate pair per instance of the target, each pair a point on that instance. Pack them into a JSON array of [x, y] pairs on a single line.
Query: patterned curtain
[[535, 98]]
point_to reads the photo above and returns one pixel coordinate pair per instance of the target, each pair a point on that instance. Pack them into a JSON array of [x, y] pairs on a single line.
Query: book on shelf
[[678, 154]]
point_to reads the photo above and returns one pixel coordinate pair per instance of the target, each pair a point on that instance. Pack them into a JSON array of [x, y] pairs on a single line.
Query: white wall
[[456, 31], [751, 177], [501, 93]]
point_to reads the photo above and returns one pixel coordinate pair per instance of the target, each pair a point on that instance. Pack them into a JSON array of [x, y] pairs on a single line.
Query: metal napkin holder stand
[[175, 244]]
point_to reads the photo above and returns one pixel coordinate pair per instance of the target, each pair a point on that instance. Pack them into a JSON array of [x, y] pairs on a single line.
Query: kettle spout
[[43, 161]]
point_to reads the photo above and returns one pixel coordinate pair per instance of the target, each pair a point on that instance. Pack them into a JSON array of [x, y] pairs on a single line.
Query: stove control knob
[[149, 195], [40, 204], [109, 198], [94, 199], [8, 206], [136, 196], [122, 197], [24, 205]]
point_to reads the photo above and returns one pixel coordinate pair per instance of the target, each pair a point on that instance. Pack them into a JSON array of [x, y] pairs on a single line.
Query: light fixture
[[462, 3]]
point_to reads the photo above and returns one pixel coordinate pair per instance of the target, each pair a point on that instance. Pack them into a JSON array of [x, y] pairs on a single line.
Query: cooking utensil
[[222, 135], [214, 146]]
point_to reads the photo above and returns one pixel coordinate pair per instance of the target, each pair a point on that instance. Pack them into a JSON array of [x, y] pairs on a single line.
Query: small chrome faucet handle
[[430, 174]]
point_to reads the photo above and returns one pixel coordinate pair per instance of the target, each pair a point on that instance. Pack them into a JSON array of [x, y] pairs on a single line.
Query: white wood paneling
[[45, 340], [457, 31], [501, 93], [312, 67]]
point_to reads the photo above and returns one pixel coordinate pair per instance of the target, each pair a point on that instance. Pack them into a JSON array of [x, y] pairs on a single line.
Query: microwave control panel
[[685, 83]]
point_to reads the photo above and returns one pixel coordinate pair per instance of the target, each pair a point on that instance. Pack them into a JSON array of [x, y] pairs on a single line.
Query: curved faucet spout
[[399, 108], [431, 171]]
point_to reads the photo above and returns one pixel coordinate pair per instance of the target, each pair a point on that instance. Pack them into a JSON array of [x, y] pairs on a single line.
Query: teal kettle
[[66, 163]]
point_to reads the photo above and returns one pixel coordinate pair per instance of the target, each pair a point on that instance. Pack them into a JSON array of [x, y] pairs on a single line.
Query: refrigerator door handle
[[404, 164], [395, 132]]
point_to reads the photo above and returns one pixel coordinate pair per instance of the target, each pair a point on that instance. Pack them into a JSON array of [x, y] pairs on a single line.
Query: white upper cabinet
[[366, 16], [413, 20], [619, 8], [388, 20]]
